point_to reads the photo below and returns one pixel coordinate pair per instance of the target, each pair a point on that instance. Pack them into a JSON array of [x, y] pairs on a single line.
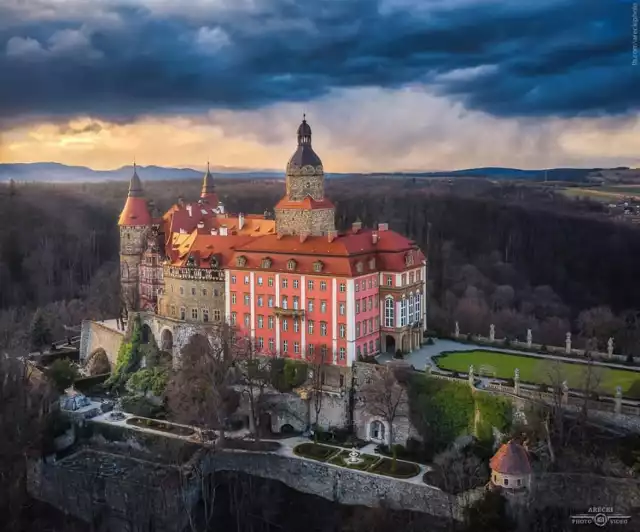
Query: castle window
[[409, 259], [233, 298], [343, 287], [285, 282], [270, 322], [241, 261], [518, 482], [270, 302], [358, 330], [291, 265], [311, 349], [296, 347], [233, 279], [204, 292], [506, 481], [285, 346], [193, 290], [372, 264], [411, 278], [359, 267], [310, 284], [285, 302], [295, 302], [323, 306], [342, 309], [389, 280], [371, 283], [234, 318], [323, 285], [260, 343], [285, 325], [215, 292], [194, 313], [216, 315], [310, 304], [183, 313], [389, 312], [342, 353], [205, 315], [247, 320], [296, 326], [260, 301], [310, 324], [266, 262], [317, 266], [418, 275], [259, 281], [246, 279], [247, 299], [182, 290], [260, 322], [270, 281], [173, 310], [296, 283], [323, 328], [343, 330], [272, 345]]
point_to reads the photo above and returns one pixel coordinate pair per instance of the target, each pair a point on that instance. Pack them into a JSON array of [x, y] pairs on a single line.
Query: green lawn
[[538, 370]]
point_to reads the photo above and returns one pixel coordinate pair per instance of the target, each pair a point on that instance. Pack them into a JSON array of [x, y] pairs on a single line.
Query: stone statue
[[618, 401], [529, 338], [610, 347], [457, 332], [567, 344], [618, 391], [492, 332], [516, 374], [471, 376], [516, 381]]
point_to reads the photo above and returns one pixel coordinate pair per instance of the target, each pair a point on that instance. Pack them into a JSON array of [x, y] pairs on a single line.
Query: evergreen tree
[[39, 333]]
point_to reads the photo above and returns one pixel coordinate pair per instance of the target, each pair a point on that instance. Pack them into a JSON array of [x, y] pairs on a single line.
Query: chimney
[[223, 230], [383, 227], [190, 209], [200, 225], [356, 226], [181, 202], [214, 231], [332, 235], [220, 207], [374, 237], [240, 221]]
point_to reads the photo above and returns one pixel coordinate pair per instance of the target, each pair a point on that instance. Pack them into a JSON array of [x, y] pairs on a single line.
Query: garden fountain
[[354, 458]]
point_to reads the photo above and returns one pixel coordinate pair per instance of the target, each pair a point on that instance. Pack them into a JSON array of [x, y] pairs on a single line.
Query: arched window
[[417, 307], [403, 312], [389, 312], [411, 308], [377, 432]]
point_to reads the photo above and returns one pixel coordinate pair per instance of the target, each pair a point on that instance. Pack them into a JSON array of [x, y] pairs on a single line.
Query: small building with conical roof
[[511, 468]]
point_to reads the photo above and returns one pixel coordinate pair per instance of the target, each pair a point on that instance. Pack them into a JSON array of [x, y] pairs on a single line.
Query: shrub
[[507, 342], [629, 360], [543, 348], [149, 380], [63, 373], [469, 337], [398, 354], [129, 356], [430, 341], [141, 406]]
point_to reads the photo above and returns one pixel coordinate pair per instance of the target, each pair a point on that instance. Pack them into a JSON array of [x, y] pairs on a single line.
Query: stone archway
[[390, 344], [98, 362], [378, 431], [166, 340]]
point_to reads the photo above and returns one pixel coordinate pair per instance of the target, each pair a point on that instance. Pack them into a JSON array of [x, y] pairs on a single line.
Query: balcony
[[289, 312]]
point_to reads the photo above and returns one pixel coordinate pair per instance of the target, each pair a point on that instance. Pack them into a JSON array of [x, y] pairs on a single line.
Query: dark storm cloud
[[562, 58]]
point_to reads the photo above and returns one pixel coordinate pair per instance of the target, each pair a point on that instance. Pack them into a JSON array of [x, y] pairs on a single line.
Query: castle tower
[[304, 210], [511, 468], [208, 193], [134, 224]]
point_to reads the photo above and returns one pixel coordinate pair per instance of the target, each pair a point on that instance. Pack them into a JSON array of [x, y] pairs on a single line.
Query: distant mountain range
[[55, 172]]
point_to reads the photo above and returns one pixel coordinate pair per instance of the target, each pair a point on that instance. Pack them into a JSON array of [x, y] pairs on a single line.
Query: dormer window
[[291, 265], [359, 267], [241, 261], [408, 259], [317, 266], [266, 262], [214, 261], [372, 264], [191, 261]]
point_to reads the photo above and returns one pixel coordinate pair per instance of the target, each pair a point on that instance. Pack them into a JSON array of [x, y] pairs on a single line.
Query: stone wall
[[211, 300], [96, 335], [345, 486]]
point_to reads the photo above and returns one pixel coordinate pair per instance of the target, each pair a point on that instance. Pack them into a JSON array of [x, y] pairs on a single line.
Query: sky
[[385, 84]]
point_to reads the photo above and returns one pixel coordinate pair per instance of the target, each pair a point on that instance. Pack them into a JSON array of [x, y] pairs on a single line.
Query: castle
[[294, 283]]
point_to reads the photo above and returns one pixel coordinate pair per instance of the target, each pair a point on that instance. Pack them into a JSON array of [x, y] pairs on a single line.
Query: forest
[[517, 255]]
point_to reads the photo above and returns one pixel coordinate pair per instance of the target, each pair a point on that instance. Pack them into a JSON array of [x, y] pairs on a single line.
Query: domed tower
[[304, 210], [134, 224], [208, 193]]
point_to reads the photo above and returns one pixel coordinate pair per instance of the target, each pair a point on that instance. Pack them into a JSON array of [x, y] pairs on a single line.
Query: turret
[[134, 223], [208, 193]]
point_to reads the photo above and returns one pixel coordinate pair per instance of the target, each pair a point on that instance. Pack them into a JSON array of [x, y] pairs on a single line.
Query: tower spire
[[208, 191], [135, 185]]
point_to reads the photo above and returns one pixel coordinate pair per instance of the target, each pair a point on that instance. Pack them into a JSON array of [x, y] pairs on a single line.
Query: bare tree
[[200, 390], [317, 360], [383, 396], [254, 366]]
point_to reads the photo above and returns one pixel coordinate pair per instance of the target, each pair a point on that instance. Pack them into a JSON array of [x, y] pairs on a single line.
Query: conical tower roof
[[136, 211], [208, 192]]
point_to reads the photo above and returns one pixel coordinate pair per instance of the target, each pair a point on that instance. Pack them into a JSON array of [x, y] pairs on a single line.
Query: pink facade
[[367, 315]]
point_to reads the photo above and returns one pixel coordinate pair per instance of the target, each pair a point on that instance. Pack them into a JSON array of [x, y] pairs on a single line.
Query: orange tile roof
[[135, 212], [203, 247], [511, 459]]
